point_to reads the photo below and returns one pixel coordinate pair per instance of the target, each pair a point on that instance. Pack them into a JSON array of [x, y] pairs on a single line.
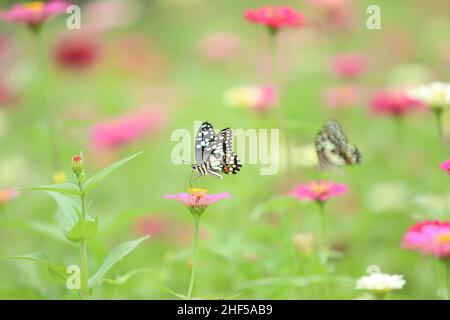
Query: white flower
[[435, 95], [380, 282]]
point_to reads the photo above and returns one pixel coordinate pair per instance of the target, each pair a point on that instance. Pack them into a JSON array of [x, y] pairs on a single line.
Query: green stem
[[84, 291], [445, 280], [194, 260], [438, 116], [44, 106], [323, 231], [279, 111]]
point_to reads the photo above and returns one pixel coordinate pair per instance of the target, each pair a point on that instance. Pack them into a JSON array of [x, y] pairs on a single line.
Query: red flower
[[275, 17], [76, 52]]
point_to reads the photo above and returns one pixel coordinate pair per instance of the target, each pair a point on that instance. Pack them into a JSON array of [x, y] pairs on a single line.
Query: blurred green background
[[153, 57]]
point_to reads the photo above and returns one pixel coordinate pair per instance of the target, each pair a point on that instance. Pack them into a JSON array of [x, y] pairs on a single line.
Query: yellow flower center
[[34, 6], [198, 192], [320, 187], [443, 238]]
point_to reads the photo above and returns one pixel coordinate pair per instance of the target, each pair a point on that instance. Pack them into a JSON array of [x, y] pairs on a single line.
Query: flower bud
[[78, 167]]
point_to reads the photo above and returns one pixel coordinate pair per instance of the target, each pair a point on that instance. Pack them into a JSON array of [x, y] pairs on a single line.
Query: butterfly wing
[[333, 149], [205, 136]]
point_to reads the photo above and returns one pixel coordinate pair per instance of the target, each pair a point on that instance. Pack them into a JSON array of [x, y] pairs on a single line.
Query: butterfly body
[[333, 149], [213, 152]]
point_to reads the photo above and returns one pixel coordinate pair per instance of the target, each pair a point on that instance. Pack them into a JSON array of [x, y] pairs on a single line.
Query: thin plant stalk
[[444, 279], [195, 257], [323, 232], [279, 111], [43, 105], [84, 290], [438, 116]]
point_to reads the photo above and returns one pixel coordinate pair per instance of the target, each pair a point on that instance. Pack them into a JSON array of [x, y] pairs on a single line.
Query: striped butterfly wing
[[205, 137], [231, 163], [333, 149]]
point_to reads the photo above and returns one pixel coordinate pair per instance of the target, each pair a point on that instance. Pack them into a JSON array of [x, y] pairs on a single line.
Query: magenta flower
[[445, 166], [275, 17], [76, 52], [349, 65], [197, 199], [33, 14], [393, 102], [319, 191], [126, 128], [430, 238]]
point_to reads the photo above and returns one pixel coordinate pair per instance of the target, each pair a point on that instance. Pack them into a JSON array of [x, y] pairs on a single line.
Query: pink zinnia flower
[[319, 191], [430, 238], [197, 199], [349, 65], [341, 96], [445, 166], [393, 102], [127, 128], [76, 52], [275, 17], [33, 14], [6, 195]]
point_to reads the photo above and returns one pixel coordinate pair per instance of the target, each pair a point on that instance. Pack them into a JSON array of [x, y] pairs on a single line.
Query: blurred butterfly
[[214, 153], [333, 148]]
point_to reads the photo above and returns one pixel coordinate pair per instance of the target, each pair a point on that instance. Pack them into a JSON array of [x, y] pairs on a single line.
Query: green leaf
[[170, 291], [55, 269], [94, 181], [68, 212], [64, 188], [124, 278], [117, 253], [83, 230]]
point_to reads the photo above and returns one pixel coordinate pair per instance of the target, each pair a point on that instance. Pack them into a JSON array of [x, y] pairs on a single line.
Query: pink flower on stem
[[445, 166], [126, 128], [319, 191], [429, 238], [393, 102], [275, 17], [349, 65], [197, 199], [33, 14]]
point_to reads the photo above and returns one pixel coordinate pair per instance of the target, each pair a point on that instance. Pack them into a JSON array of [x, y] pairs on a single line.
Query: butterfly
[[333, 148], [214, 153]]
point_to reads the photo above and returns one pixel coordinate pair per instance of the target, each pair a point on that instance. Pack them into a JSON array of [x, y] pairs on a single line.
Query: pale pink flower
[[393, 102], [33, 14], [220, 46], [127, 128], [328, 4], [341, 96], [445, 166], [275, 17], [197, 198], [430, 238], [319, 191], [257, 97], [349, 65], [6, 195]]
